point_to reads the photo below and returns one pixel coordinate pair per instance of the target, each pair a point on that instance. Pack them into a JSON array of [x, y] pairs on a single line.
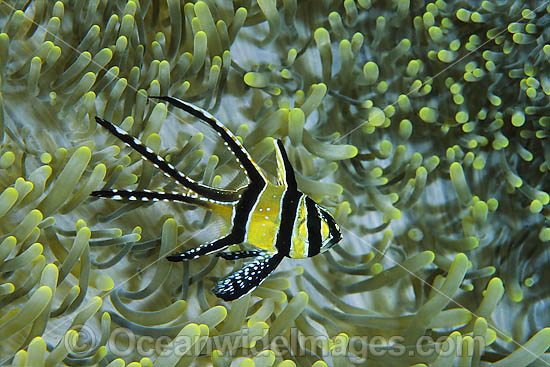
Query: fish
[[274, 220]]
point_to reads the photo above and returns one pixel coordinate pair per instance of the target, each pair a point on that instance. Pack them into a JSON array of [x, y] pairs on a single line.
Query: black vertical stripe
[[250, 168], [242, 211], [313, 228], [289, 211], [289, 171], [206, 191], [238, 227]]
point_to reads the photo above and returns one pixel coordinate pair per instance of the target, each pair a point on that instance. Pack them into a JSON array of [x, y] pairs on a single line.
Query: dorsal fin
[[284, 167], [167, 167], [253, 171]]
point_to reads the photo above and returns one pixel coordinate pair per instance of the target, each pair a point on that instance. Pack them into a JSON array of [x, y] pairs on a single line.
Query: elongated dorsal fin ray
[[252, 169], [284, 167], [203, 190]]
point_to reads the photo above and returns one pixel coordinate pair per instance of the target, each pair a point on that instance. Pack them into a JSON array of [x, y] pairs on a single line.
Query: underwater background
[[422, 126]]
